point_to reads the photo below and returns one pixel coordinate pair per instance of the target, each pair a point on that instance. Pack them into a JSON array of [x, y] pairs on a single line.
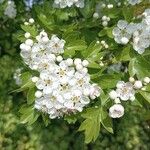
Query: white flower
[[125, 90], [47, 82], [134, 2], [56, 45], [79, 3], [94, 91], [138, 32], [116, 111], [10, 10], [68, 3], [121, 34]]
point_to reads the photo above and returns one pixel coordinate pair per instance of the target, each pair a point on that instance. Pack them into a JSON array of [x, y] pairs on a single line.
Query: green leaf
[[92, 50], [69, 53], [104, 98], [71, 119], [31, 29], [125, 54], [108, 81], [106, 121], [20, 36], [88, 9], [77, 45], [28, 115], [26, 86], [91, 125], [146, 116], [128, 13], [109, 32], [25, 77], [139, 66], [93, 119], [102, 33], [46, 119], [93, 65], [31, 95], [146, 95]]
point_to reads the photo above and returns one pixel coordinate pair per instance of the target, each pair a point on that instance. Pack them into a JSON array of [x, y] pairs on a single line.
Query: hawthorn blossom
[[116, 111], [138, 33], [63, 86], [68, 3], [125, 91], [134, 2], [10, 10]]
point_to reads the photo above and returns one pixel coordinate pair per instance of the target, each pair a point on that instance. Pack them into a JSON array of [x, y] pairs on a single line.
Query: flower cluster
[[138, 32], [105, 20], [68, 3], [125, 91], [10, 10], [104, 44], [63, 86], [134, 2]]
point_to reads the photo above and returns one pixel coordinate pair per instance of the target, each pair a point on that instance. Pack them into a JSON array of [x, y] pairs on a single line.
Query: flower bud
[[35, 79], [27, 35], [45, 39], [113, 94], [110, 6], [131, 79], [117, 101], [85, 63], [95, 15], [124, 40], [69, 62], [59, 58], [104, 23], [38, 94], [77, 61], [26, 23], [79, 67], [147, 80], [138, 85], [29, 42], [31, 20]]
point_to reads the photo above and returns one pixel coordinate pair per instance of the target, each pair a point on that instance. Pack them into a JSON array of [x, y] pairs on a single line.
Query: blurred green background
[[130, 132]]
